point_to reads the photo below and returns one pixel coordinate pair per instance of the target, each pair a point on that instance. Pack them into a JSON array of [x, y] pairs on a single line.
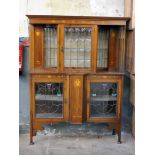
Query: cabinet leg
[[31, 143], [119, 137], [113, 132], [31, 138], [31, 134]]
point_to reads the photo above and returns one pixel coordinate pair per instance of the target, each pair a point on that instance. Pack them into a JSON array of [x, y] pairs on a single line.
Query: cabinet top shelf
[[48, 19]]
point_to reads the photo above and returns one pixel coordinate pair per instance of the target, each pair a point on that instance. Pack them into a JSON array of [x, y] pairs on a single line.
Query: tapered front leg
[[113, 132], [31, 135], [119, 137]]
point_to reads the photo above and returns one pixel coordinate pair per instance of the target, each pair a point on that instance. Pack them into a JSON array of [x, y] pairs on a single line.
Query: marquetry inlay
[[77, 83]]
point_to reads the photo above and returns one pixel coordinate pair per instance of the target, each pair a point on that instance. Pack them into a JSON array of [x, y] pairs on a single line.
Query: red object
[[20, 57], [26, 42]]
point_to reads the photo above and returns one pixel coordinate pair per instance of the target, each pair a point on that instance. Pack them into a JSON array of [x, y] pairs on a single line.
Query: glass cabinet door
[[49, 99], [50, 46], [103, 100], [77, 47]]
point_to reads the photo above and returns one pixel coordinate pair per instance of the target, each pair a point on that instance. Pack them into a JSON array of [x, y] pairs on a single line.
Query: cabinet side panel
[[122, 48], [76, 98], [31, 55], [113, 50], [130, 51]]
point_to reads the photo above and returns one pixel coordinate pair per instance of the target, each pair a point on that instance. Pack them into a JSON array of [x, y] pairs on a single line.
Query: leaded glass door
[[77, 47], [103, 99], [50, 99]]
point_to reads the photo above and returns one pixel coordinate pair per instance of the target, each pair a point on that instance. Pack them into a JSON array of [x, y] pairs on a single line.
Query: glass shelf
[[47, 115], [39, 97], [103, 98], [102, 115]]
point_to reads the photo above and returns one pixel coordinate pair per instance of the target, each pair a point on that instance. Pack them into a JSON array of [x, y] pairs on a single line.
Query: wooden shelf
[[39, 97]]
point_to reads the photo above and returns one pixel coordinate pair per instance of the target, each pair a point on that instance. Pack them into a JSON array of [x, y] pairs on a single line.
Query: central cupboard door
[[76, 98], [77, 47]]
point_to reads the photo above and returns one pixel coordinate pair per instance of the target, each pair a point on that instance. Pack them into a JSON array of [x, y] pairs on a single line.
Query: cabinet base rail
[[115, 127]]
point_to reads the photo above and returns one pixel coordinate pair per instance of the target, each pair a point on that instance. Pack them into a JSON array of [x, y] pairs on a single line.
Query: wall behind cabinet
[[110, 8]]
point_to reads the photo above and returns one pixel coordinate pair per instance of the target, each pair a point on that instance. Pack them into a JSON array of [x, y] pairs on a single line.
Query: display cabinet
[[76, 70]]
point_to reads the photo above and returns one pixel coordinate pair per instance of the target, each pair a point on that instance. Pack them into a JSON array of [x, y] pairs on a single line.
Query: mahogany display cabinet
[[76, 70]]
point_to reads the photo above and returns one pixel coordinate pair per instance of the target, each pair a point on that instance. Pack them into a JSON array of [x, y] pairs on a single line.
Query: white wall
[[77, 7], [114, 8]]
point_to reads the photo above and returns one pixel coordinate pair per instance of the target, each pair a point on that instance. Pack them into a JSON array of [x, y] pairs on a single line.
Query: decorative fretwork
[[103, 99], [49, 100], [77, 47]]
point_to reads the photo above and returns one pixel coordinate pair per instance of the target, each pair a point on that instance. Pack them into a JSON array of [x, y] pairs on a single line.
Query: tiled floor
[[85, 145]]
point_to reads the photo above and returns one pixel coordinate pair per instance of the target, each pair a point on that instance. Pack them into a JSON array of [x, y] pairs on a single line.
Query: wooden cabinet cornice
[[51, 19]]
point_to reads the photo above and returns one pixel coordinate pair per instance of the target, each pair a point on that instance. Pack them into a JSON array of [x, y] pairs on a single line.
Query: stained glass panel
[[103, 99], [102, 55], [49, 100], [77, 47], [50, 48]]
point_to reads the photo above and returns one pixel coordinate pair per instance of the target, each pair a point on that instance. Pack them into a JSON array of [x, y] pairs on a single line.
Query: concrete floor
[[51, 144]]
